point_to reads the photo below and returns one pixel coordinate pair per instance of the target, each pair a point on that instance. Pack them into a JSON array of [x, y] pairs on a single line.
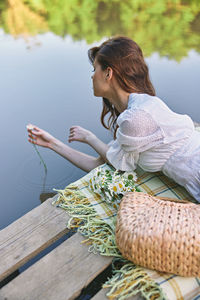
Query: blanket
[[95, 218]]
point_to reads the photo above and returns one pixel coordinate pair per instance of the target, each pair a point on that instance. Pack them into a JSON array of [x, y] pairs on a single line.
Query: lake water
[[47, 81]]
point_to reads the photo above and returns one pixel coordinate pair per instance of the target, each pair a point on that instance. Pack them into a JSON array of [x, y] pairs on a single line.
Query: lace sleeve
[[138, 131]]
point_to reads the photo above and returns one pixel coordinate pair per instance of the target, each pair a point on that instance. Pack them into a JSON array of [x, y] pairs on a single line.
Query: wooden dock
[[65, 272]]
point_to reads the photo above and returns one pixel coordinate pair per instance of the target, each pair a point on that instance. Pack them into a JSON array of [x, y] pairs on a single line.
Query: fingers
[[71, 137], [38, 136], [74, 127], [77, 133], [30, 127], [31, 133], [72, 133], [31, 138], [32, 141], [34, 129]]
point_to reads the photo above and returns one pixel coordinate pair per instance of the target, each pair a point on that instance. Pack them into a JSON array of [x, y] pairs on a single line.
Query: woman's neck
[[119, 99]]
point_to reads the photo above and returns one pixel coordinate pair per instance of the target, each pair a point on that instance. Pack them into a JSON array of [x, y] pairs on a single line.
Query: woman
[[146, 132]]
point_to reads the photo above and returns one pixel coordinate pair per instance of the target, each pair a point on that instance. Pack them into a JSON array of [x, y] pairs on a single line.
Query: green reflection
[[169, 27]]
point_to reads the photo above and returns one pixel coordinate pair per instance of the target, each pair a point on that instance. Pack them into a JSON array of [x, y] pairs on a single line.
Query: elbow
[[94, 164]]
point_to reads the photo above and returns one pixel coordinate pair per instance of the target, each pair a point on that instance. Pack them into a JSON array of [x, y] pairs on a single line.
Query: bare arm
[[42, 138], [81, 160], [80, 134]]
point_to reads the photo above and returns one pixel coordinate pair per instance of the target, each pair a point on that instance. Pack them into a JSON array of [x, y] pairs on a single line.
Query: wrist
[[90, 138], [54, 144]]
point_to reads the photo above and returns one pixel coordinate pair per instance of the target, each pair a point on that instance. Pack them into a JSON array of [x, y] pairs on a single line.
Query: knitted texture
[[159, 234]]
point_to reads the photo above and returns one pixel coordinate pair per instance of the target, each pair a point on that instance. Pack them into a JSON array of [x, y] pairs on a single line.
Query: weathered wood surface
[[29, 235], [61, 274], [101, 295]]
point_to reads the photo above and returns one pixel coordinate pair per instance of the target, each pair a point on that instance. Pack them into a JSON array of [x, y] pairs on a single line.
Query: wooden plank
[[101, 295], [61, 274], [29, 235]]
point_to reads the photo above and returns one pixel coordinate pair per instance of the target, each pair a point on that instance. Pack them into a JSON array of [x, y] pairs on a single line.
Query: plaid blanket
[[171, 286], [96, 218]]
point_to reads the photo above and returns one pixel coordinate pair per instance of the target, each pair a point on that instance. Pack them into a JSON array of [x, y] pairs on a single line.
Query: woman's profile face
[[100, 85]]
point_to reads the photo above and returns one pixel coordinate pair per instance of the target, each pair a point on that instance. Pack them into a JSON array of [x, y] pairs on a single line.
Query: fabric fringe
[[128, 279]]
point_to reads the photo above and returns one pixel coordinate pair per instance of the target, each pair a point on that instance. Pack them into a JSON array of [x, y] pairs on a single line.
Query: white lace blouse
[[157, 139]]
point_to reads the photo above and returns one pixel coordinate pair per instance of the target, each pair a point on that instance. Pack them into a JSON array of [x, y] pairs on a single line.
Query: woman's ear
[[109, 73]]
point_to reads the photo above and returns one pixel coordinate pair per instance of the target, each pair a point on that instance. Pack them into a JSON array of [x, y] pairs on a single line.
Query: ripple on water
[[31, 174]]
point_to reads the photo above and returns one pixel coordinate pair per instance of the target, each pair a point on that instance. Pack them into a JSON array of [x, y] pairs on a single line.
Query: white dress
[[157, 139]]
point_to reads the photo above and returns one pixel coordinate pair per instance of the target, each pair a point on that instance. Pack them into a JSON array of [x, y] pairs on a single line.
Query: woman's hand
[[39, 137], [86, 162], [80, 134]]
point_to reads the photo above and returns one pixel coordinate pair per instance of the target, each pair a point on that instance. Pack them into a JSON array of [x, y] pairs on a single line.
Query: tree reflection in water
[[170, 28]]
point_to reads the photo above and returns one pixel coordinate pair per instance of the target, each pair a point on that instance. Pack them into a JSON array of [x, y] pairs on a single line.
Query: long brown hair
[[126, 59]]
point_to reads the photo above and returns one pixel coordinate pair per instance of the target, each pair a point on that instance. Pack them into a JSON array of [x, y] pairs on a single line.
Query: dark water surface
[[49, 84]]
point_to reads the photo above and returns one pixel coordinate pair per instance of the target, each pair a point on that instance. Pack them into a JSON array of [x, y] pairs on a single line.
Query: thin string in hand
[[41, 159]]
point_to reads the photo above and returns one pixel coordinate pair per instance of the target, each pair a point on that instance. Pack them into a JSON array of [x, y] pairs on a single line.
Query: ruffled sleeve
[[137, 133]]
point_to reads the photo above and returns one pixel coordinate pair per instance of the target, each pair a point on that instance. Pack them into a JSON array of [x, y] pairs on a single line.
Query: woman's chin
[[95, 93]]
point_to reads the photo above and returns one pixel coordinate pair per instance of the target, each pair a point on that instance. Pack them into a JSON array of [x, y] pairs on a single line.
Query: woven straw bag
[[159, 234]]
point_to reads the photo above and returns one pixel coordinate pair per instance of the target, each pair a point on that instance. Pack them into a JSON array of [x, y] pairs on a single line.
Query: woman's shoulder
[[138, 105], [154, 110], [172, 123], [144, 102], [139, 113]]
